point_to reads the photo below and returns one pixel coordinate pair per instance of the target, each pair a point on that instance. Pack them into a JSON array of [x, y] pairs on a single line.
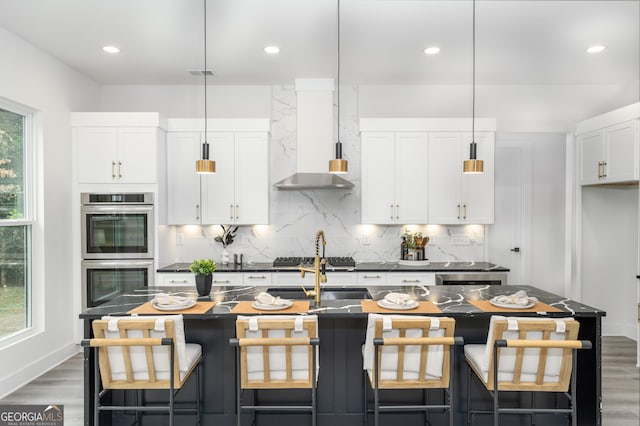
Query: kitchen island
[[342, 325]]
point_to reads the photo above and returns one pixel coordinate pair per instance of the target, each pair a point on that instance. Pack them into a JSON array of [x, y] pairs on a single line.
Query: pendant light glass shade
[[473, 165], [205, 166], [338, 166]]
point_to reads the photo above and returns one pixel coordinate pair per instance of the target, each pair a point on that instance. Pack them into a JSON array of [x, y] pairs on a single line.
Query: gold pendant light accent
[[473, 165], [338, 166], [205, 166]]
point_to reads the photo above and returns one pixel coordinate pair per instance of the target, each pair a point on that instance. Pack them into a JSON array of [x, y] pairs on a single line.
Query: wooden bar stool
[[527, 354], [409, 352], [142, 353], [276, 352]]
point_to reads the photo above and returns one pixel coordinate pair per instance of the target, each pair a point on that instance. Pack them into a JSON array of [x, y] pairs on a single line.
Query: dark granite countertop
[[360, 267], [452, 300]]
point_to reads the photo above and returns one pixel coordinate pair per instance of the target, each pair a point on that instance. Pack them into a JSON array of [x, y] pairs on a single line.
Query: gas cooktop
[[342, 262]]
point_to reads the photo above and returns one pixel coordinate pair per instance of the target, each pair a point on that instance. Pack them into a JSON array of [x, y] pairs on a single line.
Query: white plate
[[383, 303], [174, 306], [284, 304], [531, 304]]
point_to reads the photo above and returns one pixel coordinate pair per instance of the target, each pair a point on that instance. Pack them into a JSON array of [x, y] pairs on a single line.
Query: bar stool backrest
[[531, 369], [274, 359], [407, 364], [144, 366]]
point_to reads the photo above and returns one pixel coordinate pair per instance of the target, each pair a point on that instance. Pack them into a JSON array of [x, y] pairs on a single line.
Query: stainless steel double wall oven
[[117, 244]]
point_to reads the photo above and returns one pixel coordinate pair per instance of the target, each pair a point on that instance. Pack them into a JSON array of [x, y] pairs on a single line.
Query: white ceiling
[[382, 41]]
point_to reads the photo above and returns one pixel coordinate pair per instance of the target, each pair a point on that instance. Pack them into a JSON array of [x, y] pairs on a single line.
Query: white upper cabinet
[[117, 147], [456, 197], [183, 183], [238, 193], [608, 147], [394, 177]]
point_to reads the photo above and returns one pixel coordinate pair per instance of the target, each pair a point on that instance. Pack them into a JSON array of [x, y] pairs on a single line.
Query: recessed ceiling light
[[596, 49], [432, 50], [272, 50], [111, 49]]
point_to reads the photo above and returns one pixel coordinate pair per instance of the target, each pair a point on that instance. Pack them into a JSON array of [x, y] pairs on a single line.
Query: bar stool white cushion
[[480, 355], [187, 353], [389, 359]]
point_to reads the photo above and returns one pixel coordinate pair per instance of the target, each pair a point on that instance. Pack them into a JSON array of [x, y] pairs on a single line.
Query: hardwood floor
[[620, 386]]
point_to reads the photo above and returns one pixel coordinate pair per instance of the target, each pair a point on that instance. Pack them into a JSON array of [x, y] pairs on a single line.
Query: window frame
[[28, 221]]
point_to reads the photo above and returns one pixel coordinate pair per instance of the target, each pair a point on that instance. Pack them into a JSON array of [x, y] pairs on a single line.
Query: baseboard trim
[[620, 329], [18, 379]]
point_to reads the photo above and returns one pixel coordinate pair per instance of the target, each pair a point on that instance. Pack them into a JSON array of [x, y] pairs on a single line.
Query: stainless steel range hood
[[314, 138]]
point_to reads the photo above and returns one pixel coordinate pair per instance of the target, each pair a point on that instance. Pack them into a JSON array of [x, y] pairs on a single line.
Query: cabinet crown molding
[[219, 125], [426, 124]]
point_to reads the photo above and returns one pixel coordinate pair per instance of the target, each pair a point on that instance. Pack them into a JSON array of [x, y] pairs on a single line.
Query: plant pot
[[203, 284]]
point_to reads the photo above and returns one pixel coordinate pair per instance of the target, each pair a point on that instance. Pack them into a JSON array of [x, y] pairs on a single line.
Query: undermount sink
[[325, 294]]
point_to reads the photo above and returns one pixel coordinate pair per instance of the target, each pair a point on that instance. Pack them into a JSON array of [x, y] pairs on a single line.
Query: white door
[[97, 156], [591, 154], [378, 170], [137, 155], [183, 183], [218, 190], [445, 177], [508, 236], [251, 179], [412, 153]]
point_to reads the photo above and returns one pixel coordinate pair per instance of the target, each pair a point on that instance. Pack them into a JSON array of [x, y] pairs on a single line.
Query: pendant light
[[205, 166], [473, 165], [338, 166]]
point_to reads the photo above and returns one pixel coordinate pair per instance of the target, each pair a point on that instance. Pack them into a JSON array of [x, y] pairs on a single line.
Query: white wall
[[610, 256], [549, 109], [183, 101], [37, 80]]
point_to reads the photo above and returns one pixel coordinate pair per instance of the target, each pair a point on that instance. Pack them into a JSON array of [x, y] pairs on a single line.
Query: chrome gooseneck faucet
[[319, 271]]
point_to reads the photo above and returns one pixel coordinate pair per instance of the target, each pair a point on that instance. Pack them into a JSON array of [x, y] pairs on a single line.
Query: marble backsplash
[[295, 216]]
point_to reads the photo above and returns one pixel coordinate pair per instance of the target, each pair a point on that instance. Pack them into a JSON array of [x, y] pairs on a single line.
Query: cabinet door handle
[[371, 276], [604, 169], [410, 281], [113, 169], [237, 210], [178, 281], [222, 281], [458, 211], [197, 211], [231, 211], [599, 169], [398, 211], [391, 212], [257, 277], [465, 211], [119, 173]]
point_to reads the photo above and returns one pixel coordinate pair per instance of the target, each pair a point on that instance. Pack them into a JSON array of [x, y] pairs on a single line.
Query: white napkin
[[267, 299], [168, 299], [397, 298], [519, 298]]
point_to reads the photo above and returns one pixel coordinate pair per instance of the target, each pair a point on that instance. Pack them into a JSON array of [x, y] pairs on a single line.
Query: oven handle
[[117, 209], [110, 263]]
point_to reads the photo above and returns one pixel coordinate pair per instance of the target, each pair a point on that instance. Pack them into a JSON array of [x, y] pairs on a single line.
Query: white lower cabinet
[[256, 278], [175, 279], [372, 278], [411, 278], [227, 279]]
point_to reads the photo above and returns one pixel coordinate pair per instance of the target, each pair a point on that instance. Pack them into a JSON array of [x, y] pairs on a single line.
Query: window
[[16, 218]]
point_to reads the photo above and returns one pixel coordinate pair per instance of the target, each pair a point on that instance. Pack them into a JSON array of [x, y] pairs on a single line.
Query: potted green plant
[[203, 268]]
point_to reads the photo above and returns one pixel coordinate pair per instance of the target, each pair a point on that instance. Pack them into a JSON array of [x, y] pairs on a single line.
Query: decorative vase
[[225, 257], [203, 284]]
